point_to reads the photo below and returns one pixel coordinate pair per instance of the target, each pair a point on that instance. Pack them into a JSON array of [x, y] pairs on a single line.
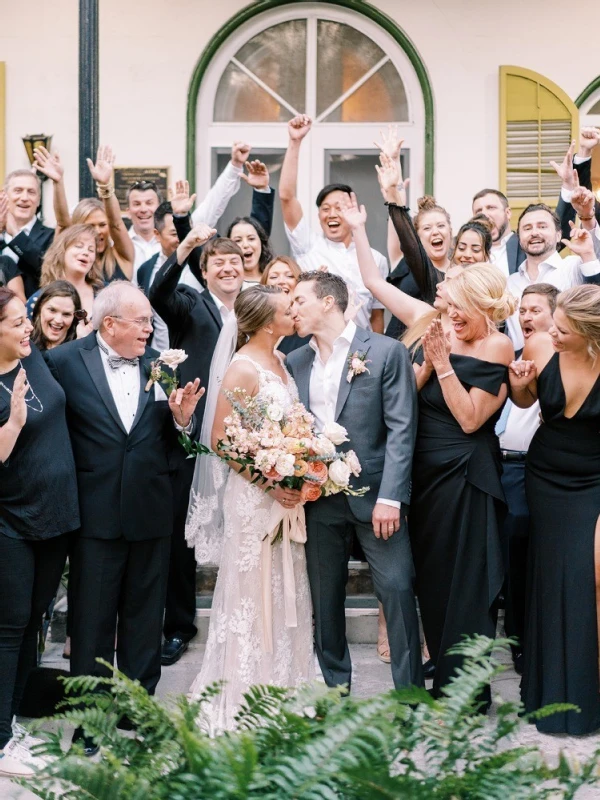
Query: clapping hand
[[183, 402], [48, 164], [299, 126], [565, 170], [581, 243], [102, 170], [258, 175], [239, 153], [18, 406], [179, 197], [354, 215], [521, 373], [436, 347]]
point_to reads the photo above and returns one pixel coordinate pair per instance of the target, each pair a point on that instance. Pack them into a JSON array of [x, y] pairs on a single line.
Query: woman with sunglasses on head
[[38, 508], [56, 315], [115, 254]]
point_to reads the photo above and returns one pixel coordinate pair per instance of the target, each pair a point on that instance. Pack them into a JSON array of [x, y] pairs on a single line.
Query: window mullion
[[278, 98], [311, 66], [355, 86]]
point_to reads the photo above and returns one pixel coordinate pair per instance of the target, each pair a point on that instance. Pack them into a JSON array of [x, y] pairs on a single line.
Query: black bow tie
[[114, 362]]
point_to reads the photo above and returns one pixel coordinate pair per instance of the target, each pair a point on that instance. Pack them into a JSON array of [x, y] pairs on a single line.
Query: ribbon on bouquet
[[294, 530]]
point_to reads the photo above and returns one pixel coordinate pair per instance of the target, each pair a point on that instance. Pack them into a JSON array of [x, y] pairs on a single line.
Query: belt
[[513, 455]]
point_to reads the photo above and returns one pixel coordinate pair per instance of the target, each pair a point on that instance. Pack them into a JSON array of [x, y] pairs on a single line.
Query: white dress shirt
[[325, 380], [560, 272], [214, 204], [499, 256], [8, 238], [314, 251], [144, 250], [521, 425], [124, 384]]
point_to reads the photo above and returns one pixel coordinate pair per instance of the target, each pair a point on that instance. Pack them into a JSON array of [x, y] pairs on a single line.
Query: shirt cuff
[[590, 268], [392, 503], [264, 191], [188, 428], [580, 159], [237, 170], [566, 194]]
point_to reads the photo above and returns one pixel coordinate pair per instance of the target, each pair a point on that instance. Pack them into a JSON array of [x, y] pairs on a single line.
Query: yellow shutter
[[537, 122]]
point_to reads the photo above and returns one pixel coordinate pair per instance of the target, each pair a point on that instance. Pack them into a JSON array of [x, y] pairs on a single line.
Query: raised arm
[[182, 204], [406, 308], [391, 145], [291, 209], [102, 173], [227, 184], [49, 164], [263, 196]]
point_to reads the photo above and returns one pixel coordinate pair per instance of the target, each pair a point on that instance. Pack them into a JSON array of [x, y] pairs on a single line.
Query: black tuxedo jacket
[[123, 478], [31, 250], [514, 254], [193, 320], [144, 274]]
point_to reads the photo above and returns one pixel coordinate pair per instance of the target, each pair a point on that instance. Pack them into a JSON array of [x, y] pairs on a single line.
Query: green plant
[[313, 745]]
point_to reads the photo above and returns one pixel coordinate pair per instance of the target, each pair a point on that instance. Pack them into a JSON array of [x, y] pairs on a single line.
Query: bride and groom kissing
[[230, 515]]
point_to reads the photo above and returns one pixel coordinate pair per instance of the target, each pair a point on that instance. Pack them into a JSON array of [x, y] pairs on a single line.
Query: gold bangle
[[105, 191], [446, 374]]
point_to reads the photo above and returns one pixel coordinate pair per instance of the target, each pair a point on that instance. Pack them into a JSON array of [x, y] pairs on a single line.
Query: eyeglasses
[[143, 186], [141, 322]]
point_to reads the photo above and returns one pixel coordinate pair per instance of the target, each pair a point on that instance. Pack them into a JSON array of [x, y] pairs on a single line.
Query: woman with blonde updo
[[462, 376], [250, 640], [561, 369]]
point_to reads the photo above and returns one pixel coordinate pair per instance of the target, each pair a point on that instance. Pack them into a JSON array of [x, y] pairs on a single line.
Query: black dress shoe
[[172, 650], [428, 669], [518, 661], [90, 748]]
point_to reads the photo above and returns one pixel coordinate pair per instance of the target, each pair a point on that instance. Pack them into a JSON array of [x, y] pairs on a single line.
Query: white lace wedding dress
[[235, 650]]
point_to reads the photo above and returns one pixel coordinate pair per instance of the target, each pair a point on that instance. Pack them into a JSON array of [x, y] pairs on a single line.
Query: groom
[[378, 408]]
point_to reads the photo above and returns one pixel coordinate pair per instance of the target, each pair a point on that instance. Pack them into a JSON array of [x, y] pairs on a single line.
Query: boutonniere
[[171, 359], [357, 364]]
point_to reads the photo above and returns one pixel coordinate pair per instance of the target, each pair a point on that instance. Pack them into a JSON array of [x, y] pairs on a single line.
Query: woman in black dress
[[561, 369], [38, 507], [457, 497]]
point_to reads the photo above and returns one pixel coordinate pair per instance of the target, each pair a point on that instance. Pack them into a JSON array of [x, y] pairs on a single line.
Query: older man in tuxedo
[[376, 402], [124, 435]]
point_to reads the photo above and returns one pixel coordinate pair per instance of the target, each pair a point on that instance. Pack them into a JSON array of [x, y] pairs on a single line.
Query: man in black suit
[[22, 236], [194, 321], [124, 435]]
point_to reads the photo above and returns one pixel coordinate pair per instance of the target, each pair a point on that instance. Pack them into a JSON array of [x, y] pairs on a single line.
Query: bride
[[254, 637]]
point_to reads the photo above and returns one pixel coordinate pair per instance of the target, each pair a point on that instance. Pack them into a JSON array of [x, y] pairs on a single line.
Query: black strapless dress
[[455, 516], [563, 493]]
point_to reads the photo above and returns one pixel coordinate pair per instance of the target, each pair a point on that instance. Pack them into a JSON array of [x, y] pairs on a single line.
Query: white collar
[[219, 303], [28, 227], [135, 237], [347, 335], [108, 351], [554, 261]]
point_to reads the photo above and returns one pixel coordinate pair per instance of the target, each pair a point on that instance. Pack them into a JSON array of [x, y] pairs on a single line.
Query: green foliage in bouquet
[[314, 745]]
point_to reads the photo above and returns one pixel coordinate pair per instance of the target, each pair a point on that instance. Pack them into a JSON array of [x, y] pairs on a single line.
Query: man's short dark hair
[[219, 247], [540, 207], [332, 187], [502, 197], [547, 290], [143, 186], [163, 211], [328, 285]]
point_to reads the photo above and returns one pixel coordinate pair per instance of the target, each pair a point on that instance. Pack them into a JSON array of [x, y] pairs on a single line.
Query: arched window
[[590, 115], [339, 67]]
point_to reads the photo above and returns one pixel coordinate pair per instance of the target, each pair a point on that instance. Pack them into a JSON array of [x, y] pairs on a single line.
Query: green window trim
[[589, 90], [359, 6]]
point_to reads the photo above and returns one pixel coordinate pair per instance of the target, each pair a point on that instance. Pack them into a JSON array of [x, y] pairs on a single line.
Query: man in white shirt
[[334, 248], [515, 429], [357, 380], [539, 233]]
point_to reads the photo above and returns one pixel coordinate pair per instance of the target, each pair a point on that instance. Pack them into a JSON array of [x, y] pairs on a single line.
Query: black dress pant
[[29, 576], [515, 544], [180, 609], [119, 583]]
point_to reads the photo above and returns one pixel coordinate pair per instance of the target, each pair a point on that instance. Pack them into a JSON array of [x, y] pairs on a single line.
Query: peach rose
[[300, 468], [310, 491], [273, 475], [318, 471]]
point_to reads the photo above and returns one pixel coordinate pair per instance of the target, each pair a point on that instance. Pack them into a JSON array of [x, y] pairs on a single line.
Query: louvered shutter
[[537, 123]]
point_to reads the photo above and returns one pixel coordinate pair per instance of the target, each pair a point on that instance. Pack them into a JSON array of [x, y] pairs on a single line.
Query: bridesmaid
[[562, 369]]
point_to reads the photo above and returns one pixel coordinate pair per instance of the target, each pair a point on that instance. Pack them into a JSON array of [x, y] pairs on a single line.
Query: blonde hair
[[412, 335], [107, 261], [480, 289], [581, 306], [254, 308], [290, 264], [53, 266]]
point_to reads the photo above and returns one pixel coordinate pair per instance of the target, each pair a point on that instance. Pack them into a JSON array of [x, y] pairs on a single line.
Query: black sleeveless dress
[[563, 492], [456, 511]]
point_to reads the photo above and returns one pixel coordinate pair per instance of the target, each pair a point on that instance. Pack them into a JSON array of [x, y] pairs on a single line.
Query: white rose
[[275, 412], [339, 472], [335, 433], [173, 358], [323, 446], [353, 463], [285, 465]]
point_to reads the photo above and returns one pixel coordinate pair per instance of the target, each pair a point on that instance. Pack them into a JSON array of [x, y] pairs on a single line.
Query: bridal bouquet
[[281, 446]]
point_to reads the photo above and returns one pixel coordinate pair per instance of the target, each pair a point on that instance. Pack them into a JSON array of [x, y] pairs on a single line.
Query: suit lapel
[[93, 362], [145, 368], [360, 343], [302, 376], [212, 308], [512, 253]]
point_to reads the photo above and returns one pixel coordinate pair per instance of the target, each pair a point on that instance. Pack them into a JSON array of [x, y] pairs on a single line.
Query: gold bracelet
[[446, 374], [586, 219]]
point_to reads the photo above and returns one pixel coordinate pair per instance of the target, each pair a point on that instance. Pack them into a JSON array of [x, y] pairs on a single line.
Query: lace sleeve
[[423, 271]]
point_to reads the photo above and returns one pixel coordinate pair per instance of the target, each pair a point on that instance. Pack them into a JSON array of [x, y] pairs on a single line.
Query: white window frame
[[324, 135]]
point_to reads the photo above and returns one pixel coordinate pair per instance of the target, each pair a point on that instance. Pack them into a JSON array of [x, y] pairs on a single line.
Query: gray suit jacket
[[379, 411]]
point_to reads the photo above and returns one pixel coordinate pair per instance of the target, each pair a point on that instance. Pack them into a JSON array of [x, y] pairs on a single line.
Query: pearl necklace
[[33, 398]]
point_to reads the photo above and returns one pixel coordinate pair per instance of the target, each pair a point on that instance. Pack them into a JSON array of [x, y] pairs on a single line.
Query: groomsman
[[124, 439], [194, 321], [377, 404]]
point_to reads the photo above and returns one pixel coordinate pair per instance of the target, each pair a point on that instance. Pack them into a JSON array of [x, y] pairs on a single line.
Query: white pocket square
[[159, 393]]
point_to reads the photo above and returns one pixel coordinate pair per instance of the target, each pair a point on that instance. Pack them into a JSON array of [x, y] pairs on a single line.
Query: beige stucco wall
[[148, 49]]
